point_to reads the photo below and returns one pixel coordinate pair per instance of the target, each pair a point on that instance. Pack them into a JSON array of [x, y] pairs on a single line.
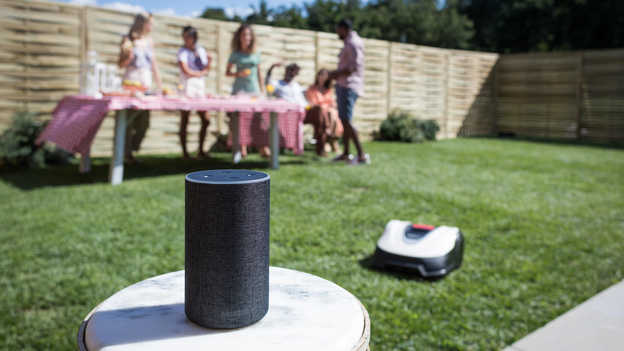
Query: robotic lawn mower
[[433, 252]]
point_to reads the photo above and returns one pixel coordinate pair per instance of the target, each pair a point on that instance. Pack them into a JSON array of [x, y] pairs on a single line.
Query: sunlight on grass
[[544, 228]]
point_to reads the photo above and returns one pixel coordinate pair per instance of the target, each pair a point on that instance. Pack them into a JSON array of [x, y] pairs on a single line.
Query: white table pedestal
[[305, 313]]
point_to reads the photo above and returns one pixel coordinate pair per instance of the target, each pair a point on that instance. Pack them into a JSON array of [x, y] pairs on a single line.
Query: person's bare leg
[[336, 129], [264, 151], [356, 139], [205, 122], [326, 121], [320, 145], [333, 143], [128, 157], [344, 156], [141, 127], [324, 131], [184, 118], [316, 117], [346, 137]]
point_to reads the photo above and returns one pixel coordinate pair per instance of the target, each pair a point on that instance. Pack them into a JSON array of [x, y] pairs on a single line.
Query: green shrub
[[430, 128], [402, 126], [17, 144]]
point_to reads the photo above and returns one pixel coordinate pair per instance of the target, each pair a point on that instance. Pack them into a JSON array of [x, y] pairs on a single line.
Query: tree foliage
[[545, 25], [490, 25], [410, 21], [216, 14]]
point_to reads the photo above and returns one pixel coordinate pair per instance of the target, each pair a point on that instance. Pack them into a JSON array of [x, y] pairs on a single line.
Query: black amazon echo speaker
[[226, 247]]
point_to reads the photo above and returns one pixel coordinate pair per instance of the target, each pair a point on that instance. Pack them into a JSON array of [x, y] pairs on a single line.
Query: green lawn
[[544, 229]]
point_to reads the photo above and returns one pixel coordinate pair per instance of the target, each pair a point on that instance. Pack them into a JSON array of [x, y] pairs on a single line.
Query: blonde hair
[[137, 30], [236, 45]]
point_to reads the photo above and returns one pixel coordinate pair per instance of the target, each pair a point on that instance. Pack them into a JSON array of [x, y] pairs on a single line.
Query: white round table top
[[305, 313]]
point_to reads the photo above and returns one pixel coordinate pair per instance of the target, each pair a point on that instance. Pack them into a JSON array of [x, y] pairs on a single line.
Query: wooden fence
[[43, 43], [573, 95]]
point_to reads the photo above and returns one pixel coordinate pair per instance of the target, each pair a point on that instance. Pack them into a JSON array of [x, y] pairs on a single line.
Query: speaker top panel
[[227, 176]]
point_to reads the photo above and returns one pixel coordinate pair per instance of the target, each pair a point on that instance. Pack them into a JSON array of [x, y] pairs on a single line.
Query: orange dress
[[316, 97], [327, 102]]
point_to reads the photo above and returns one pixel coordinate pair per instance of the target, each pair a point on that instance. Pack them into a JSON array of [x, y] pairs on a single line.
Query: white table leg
[[85, 162], [236, 153], [116, 166], [274, 142]]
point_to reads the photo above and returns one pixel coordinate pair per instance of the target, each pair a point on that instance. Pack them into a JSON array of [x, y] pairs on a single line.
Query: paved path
[[596, 324]]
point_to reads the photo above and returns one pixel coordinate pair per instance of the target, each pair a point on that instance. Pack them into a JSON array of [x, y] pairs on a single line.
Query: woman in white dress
[[194, 64]]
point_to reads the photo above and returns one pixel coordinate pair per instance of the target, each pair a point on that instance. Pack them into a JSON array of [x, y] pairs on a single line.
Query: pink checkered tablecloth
[[76, 119], [254, 128]]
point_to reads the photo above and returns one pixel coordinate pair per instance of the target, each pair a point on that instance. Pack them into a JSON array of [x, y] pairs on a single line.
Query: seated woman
[[323, 114]]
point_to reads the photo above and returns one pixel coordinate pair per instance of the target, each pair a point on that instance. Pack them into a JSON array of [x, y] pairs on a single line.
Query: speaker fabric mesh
[[226, 247]]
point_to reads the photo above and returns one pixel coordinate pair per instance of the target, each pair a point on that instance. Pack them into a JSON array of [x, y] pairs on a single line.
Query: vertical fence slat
[[389, 80], [445, 97], [579, 95], [494, 105], [220, 72], [317, 52]]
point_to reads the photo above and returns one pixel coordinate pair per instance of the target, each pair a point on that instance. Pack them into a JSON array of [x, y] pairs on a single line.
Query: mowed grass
[[544, 229]]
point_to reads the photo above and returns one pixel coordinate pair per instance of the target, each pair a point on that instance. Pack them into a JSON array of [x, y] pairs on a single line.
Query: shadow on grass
[[368, 263], [147, 166]]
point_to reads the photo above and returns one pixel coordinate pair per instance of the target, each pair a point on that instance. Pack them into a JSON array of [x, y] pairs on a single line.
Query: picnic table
[[76, 120]]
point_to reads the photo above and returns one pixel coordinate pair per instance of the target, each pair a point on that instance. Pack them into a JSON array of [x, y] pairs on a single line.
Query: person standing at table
[[349, 86], [194, 64], [137, 57], [247, 63]]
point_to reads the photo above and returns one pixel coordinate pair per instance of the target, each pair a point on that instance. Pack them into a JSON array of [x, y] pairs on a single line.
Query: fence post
[[84, 37], [317, 52], [84, 40], [221, 52], [579, 94], [389, 80], [447, 59], [219, 58], [27, 80], [494, 102]]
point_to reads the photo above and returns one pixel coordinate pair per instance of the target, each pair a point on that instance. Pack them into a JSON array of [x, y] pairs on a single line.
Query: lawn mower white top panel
[[438, 242]]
